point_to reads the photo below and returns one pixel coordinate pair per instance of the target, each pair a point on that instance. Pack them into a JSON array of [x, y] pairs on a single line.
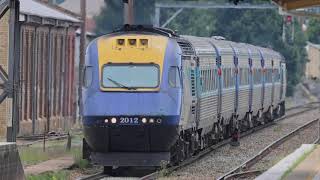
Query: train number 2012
[[129, 120]]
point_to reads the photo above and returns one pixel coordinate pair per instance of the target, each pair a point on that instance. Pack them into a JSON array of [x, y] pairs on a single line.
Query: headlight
[[144, 120], [159, 120], [113, 120], [106, 120], [151, 120]]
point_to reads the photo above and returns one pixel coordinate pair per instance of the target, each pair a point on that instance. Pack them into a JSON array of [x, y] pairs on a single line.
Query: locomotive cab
[[132, 101]]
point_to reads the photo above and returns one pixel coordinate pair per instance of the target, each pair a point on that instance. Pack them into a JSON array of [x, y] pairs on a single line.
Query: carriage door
[[263, 78], [273, 83], [236, 79], [190, 63], [283, 81], [250, 80], [194, 80]]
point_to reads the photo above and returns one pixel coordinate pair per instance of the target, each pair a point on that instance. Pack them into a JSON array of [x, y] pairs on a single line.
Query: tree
[[257, 27], [111, 16], [313, 31]]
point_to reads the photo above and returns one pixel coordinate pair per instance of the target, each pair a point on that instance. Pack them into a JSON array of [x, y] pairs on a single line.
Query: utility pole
[[128, 12], [284, 31], [82, 54], [13, 83]]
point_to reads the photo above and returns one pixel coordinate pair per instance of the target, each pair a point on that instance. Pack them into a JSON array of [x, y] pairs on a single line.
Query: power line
[[181, 5]]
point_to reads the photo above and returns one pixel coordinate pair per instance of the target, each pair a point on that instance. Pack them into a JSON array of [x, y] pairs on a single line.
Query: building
[[5, 106], [313, 66], [94, 8], [47, 61]]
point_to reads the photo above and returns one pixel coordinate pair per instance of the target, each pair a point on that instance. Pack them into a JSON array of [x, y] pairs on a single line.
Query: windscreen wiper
[[121, 85]]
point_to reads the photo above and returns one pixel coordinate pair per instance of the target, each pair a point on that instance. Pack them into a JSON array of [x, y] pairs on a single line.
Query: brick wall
[[38, 72], [34, 62], [4, 34]]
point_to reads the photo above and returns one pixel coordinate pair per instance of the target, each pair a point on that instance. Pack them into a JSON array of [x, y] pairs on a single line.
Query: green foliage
[[257, 27], [313, 31], [78, 161], [62, 175], [34, 154], [111, 16]]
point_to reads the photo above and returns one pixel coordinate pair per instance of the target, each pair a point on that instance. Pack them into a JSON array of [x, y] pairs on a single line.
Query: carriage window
[[228, 78], [257, 75], [244, 76], [88, 76], [277, 76], [174, 77], [215, 79], [268, 76]]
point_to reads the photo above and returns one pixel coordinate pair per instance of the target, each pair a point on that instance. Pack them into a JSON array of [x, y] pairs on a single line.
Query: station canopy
[[296, 4]]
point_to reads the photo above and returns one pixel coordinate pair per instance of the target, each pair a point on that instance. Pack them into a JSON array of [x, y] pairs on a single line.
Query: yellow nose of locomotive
[[134, 49]]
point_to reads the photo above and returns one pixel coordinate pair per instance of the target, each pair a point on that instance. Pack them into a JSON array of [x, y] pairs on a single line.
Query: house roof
[[34, 8], [296, 4], [317, 46], [93, 6]]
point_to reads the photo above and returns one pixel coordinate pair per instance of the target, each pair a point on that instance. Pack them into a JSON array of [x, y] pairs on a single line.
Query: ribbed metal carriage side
[[228, 93], [257, 88], [188, 114], [265, 95], [208, 100], [268, 86], [277, 84], [244, 89]]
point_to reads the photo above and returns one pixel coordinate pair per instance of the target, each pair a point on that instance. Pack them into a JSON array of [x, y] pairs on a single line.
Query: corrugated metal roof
[[93, 6], [30, 7]]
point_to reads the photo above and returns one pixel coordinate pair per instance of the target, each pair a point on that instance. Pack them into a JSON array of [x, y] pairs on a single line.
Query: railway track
[[242, 170], [305, 108], [97, 176]]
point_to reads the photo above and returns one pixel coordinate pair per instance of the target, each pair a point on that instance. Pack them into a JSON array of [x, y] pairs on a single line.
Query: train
[[153, 97]]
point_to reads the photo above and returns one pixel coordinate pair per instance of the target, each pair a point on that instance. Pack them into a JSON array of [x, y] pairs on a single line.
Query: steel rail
[[96, 176], [245, 174], [255, 159], [214, 147]]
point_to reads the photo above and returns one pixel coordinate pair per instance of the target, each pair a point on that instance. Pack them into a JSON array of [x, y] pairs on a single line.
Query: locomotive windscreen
[[130, 76]]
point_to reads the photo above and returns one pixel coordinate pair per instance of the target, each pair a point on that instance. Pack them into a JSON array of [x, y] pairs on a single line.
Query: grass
[[78, 161], [34, 154], [62, 175], [297, 162], [163, 169], [277, 129]]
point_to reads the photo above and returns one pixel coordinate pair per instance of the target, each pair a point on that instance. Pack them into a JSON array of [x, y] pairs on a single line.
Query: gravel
[[221, 161], [307, 136]]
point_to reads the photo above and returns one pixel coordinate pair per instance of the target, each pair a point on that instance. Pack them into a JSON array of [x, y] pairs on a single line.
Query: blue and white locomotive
[[152, 96]]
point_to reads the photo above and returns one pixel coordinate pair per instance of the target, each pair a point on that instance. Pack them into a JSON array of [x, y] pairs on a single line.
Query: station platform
[[303, 163]]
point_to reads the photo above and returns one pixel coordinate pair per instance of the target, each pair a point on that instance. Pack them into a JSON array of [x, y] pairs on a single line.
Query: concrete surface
[[280, 168], [50, 165], [308, 168], [10, 164]]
